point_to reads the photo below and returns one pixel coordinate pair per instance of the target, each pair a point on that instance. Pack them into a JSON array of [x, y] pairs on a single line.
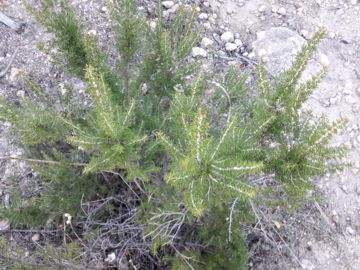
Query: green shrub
[[187, 173]]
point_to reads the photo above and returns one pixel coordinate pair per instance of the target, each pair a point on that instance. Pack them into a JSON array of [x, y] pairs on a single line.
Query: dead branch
[[3, 73], [17, 27]]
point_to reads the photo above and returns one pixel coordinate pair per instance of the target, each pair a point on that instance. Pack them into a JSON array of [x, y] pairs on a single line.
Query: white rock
[[348, 145], [274, 9], [304, 33], [227, 37], [350, 230], [206, 4], [92, 32], [281, 11], [152, 25], [332, 35], [174, 8], [168, 4], [110, 257], [207, 25], [238, 42], [324, 60], [35, 237], [206, 42], [280, 45], [4, 224], [230, 47], [262, 8], [198, 52], [21, 94], [203, 16], [14, 73], [353, 2]]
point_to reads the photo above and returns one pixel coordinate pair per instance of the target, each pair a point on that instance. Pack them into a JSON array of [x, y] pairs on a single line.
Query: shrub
[[147, 170]]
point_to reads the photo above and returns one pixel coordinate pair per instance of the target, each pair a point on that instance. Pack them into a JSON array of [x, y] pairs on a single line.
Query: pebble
[[198, 52], [227, 37], [152, 25], [304, 33], [35, 237], [350, 230], [206, 42], [281, 11], [206, 4], [353, 2], [4, 224], [203, 16], [207, 25], [262, 8], [20, 94], [238, 42], [110, 257], [92, 32], [348, 145], [174, 9], [230, 47], [14, 73], [168, 4]]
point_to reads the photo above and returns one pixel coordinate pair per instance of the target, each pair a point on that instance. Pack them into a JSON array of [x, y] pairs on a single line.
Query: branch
[[3, 73], [17, 27], [41, 161], [227, 97]]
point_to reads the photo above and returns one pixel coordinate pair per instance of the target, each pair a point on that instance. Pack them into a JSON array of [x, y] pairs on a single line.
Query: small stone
[[198, 52], [92, 32], [206, 4], [174, 9], [350, 230], [104, 9], [335, 217], [230, 47], [353, 2], [110, 257], [35, 237], [227, 37], [20, 94], [207, 25], [262, 8], [304, 33], [348, 145], [238, 42], [168, 4], [4, 224], [274, 9], [324, 60], [281, 11], [203, 16], [332, 35], [14, 73], [152, 25], [206, 42]]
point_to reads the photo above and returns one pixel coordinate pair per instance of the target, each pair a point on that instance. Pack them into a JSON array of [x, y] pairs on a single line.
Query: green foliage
[[60, 19], [14, 256], [190, 167]]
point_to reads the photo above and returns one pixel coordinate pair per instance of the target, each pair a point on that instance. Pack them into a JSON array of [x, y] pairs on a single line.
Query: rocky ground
[[323, 236]]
